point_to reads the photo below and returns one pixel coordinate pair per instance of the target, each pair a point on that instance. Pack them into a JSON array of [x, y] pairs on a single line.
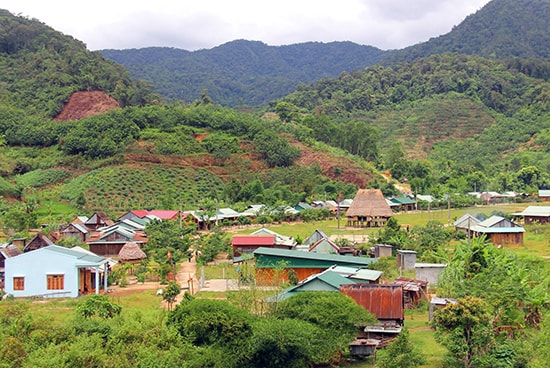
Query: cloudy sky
[[192, 25]]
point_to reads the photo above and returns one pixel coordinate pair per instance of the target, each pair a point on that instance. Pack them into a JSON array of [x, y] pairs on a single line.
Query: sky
[[203, 24]]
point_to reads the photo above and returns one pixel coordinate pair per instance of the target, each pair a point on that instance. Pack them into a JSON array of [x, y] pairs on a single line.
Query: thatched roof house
[[131, 253], [368, 209]]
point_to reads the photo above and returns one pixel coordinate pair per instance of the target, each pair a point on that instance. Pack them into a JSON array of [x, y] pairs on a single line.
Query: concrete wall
[[35, 267]]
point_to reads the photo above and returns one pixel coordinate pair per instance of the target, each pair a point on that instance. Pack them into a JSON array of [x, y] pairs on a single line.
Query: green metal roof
[[272, 258], [403, 200]]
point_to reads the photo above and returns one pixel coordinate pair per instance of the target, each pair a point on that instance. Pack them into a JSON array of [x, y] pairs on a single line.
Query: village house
[[404, 203], [544, 195], [535, 215], [499, 231], [37, 241], [368, 209], [97, 220], [55, 271], [277, 263]]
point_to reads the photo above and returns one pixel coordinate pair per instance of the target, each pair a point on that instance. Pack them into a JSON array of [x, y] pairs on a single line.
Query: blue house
[[55, 272]]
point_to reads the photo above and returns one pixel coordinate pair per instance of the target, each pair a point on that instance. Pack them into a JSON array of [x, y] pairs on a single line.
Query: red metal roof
[[384, 301], [259, 240], [165, 214]]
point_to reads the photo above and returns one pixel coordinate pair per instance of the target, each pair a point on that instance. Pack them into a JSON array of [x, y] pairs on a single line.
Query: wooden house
[[325, 246], [535, 215], [38, 241], [413, 290], [55, 271], [315, 237], [283, 241], [368, 209], [544, 195], [274, 263], [75, 231], [499, 231], [109, 243], [98, 220], [385, 301]]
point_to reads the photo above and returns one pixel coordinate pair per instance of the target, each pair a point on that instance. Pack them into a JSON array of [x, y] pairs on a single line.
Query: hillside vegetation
[[242, 72], [462, 115]]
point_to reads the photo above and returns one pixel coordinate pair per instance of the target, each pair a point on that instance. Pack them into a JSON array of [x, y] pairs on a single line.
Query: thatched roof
[[369, 202], [131, 252]]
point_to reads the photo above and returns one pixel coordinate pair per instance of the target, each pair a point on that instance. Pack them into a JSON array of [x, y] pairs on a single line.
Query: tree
[[465, 330], [286, 111], [170, 292], [98, 305]]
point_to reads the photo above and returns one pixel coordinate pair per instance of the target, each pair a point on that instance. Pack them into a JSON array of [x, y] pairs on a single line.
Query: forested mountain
[[501, 29], [242, 72], [252, 73], [40, 68]]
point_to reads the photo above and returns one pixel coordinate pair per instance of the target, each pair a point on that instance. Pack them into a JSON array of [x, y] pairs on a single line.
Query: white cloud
[[204, 24]]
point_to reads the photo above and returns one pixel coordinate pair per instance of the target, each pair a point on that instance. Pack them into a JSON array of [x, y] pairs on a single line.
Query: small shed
[[429, 272], [131, 253], [406, 259], [544, 195], [413, 290], [363, 347], [384, 301], [383, 250]]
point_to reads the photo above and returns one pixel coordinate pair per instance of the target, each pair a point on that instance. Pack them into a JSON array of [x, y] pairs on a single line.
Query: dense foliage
[[242, 72], [501, 297]]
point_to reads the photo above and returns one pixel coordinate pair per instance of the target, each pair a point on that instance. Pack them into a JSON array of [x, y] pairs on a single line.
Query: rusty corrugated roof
[[384, 301]]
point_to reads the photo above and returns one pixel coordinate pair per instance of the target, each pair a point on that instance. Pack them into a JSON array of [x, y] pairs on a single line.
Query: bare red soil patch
[[87, 103]]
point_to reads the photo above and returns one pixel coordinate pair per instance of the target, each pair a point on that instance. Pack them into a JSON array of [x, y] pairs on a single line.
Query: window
[[56, 282], [19, 283]]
